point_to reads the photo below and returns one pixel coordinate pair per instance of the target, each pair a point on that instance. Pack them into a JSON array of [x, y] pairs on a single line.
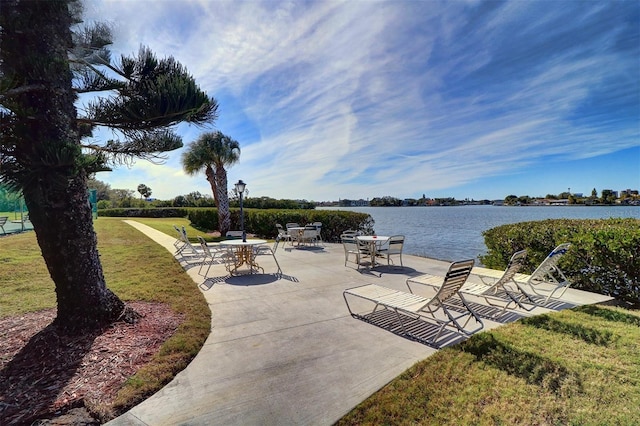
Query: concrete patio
[[283, 349]]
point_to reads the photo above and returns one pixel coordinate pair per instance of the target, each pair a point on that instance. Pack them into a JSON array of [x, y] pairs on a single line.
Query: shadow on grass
[[589, 335], [609, 314], [530, 367]]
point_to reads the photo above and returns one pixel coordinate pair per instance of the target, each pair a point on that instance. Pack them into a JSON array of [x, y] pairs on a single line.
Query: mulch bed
[[44, 375]]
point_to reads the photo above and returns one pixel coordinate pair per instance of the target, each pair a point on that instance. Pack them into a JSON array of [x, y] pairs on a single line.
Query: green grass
[[136, 268], [166, 225], [575, 367]]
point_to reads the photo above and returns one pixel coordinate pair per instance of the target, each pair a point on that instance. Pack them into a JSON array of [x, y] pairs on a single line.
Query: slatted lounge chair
[[186, 244], [3, 220], [545, 281], [548, 278], [502, 291], [409, 309], [178, 243]]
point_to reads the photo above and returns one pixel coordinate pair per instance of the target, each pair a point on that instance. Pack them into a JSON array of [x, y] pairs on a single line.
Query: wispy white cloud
[[359, 99]]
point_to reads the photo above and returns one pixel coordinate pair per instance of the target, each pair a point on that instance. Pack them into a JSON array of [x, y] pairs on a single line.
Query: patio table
[[374, 242], [244, 253]]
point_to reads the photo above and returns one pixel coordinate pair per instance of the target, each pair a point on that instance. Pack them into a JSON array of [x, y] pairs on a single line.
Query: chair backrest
[[310, 232], [204, 246], [349, 242], [292, 225], [184, 235], [454, 280], [281, 231], [363, 246], [513, 267], [3, 220], [395, 242], [233, 235], [550, 264]]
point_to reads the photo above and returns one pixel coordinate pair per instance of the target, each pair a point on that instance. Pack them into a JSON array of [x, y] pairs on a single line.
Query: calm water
[[454, 233]]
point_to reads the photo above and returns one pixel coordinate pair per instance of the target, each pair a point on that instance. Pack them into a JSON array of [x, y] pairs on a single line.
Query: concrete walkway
[[283, 350]]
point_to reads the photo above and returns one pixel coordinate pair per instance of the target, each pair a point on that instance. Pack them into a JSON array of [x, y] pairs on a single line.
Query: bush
[[262, 222], [604, 257], [146, 212]]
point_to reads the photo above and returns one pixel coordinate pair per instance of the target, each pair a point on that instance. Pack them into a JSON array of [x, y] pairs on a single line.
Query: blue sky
[[363, 99]]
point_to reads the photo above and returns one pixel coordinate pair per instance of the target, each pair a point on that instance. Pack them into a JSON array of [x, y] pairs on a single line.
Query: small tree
[[144, 190]]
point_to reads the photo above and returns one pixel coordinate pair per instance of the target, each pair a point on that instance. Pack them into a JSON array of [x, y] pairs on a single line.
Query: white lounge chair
[[544, 282], [548, 278], [3, 220], [178, 243], [409, 309], [186, 244], [504, 291]]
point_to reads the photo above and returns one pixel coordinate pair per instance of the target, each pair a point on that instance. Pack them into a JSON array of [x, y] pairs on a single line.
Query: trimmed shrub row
[[146, 212], [604, 257], [262, 222]]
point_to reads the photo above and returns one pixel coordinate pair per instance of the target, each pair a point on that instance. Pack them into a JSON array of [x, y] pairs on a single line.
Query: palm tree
[[212, 151]]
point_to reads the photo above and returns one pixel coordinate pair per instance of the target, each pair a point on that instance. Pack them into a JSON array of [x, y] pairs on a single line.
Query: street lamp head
[[240, 186]]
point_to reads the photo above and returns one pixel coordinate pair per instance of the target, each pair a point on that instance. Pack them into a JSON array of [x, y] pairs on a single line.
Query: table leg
[[244, 255]]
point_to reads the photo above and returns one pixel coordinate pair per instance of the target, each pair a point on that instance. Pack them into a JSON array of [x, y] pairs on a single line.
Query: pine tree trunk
[[36, 37], [63, 223]]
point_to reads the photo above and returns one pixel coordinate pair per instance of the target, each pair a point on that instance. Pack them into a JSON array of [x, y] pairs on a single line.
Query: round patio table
[[244, 254], [374, 242]]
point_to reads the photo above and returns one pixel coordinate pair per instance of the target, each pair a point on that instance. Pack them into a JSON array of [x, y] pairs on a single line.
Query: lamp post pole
[[240, 188]]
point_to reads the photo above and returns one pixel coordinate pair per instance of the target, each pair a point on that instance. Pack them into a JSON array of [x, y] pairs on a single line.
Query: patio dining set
[[432, 307]]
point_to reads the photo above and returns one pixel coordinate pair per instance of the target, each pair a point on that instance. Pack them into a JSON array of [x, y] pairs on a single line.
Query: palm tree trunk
[[224, 215]]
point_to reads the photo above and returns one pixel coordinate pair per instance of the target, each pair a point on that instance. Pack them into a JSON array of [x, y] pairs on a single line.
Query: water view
[[455, 233]]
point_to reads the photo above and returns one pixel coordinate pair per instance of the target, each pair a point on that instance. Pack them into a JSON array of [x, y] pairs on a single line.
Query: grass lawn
[[136, 268], [574, 367]]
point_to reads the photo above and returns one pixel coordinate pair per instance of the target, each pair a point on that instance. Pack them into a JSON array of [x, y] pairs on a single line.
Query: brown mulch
[[44, 375]]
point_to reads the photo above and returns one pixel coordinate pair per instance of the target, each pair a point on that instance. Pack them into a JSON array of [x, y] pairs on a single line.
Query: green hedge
[[262, 222], [146, 212], [604, 256]]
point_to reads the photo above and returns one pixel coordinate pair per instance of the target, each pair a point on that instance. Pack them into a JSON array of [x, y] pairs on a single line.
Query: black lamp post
[[240, 189]]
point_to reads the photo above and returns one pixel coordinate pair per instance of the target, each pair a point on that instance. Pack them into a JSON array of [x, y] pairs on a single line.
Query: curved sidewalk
[[283, 350]]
